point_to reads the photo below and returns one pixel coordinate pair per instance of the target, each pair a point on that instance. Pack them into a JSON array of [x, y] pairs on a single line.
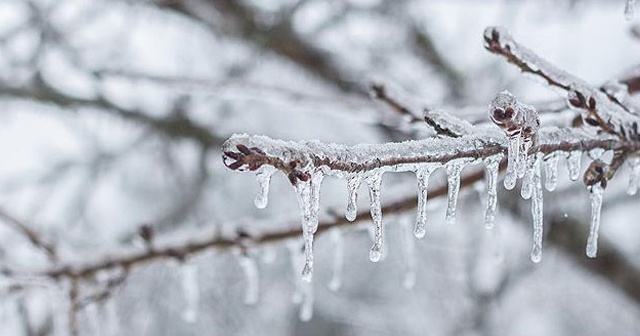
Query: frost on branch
[[531, 150]]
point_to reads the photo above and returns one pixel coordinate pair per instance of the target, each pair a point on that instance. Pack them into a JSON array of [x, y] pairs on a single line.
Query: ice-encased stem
[[191, 290], [596, 194], [422, 175], [634, 176], [264, 180], [409, 245], [353, 183], [306, 306], [527, 181], [374, 181], [338, 259], [573, 164], [492, 165], [250, 268], [537, 213], [453, 168], [513, 152], [551, 171]]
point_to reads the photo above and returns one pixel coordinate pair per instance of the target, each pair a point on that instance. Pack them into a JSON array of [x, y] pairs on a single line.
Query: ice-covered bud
[[596, 173], [503, 112]]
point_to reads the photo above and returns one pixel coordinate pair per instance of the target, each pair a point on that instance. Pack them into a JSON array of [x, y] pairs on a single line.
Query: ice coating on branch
[[263, 175], [306, 306], [574, 159], [527, 181], [250, 269], [422, 175], [309, 202], [446, 124], [551, 171], [453, 168], [630, 9], [596, 193], [191, 290], [537, 213], [634, 175], [353, 183], [338, 259], [409, 245], [492, 165], [520, 123], [374, 181]]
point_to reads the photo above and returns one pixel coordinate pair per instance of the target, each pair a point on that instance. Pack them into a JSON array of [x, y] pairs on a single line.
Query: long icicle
[[374, 181], [338, 259], [551, 171], [492, 164], [454, 168], [512, 159], [596, 194], [309, 203], [537, 213], [409, 245], [423, 173], [353, 183], [191, 290], [250, 268]]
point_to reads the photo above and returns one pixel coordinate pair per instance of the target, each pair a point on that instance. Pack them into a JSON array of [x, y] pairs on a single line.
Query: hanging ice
[[551, 171], [492, 164], [423, 174], [296, 259], [309, 203], [454, 168], [634, 175], [523, 157], [573, 164], [596, 192], [306, 307], [537, 213], [512, 157], [250, 269], [112, 320], [338, 260], [527, 181], [353, 183], [374, 181], [409, 245], [264, 179], [191, 291], [630, 10]]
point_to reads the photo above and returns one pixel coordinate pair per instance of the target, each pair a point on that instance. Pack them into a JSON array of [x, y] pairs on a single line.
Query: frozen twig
[[36, 238]]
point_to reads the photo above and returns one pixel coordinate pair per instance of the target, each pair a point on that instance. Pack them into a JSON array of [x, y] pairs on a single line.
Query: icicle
[[296, 259], [112, 320], [492, 164], [634, 175], [537, 213], [264, 179], [423, 174], [630, 10], [409, 245], [375, 182], [353, 183], [93, 320], [512, 158], [551, 171], [309, 202], [306, 307], [596, 192], [527, 181], [573, 164], [191, 290], [454, 168], [523, 157], [250, 269], [338, 259]]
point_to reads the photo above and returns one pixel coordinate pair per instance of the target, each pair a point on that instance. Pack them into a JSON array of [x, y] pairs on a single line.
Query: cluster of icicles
[[526, 167]]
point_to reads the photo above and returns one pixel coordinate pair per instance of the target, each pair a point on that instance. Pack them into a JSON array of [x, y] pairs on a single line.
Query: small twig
[[36, 238]]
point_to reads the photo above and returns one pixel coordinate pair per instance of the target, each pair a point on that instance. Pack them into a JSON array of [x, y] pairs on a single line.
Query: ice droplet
[[250, 269], [454, 168], [306, 307], [527, 181], [353, 183], [191, 290], [264, 179], [409, 245], [551, 171], [423, 174], [573, 164], [512, 158], [492, 164], [374, 181], [596, 192], [537, 213], [630, 10], [338, 259], [634, 175]]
